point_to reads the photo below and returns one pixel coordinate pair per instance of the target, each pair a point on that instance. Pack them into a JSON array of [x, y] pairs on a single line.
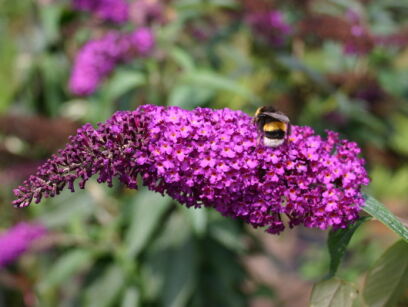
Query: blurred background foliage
[[330, 64]]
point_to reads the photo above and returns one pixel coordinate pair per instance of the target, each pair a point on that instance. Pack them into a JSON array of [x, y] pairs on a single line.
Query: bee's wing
[[279, 116]]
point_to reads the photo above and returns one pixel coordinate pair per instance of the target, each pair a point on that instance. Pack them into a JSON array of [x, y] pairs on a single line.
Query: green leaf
[[148, 208], [122, 82], [68, 206], [7, 72], [104, 290], [224, 275], [51, 70], [357, 111], [388, 279], [66, 266], [188, 96], [382, 176], [337, 242], [174, 236], [183, 58], [227, 233], [204, 7], [131, 297], [198, 217], [381, 213], [180, 273], [216, 81], [333, 293], [174, 232], [294, 63], [399, 137], [50, 16]]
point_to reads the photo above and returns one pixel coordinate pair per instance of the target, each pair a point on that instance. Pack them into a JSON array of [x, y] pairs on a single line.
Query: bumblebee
[[274, 126]]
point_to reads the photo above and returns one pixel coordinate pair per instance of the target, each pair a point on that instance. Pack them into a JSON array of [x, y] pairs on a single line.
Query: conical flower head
[[212, 158]]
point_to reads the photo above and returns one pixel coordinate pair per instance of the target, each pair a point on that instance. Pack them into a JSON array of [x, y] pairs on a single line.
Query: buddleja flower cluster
[[98, 58], [116, 11], [271, 25], [212, 158], [17, 240]]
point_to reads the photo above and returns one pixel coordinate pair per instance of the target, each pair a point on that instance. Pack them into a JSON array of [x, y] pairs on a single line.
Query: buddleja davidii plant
[[211, 158]]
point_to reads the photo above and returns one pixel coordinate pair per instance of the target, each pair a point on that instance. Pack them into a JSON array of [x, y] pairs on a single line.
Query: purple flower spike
[[212, 158], [142, 40], [17, 240], [116, 11], [270, 25], [98, 58]]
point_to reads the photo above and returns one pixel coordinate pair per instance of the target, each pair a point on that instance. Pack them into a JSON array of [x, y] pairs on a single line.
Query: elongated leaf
[[180, 276], [66, 208], [174, 236], [68, 265], [381, 213], [131, 297], [213, 80], [295, 64], [333, 293], [227, 233], [104, 290], [122, 82], [337, 242], [183, 58], [388, 278], [198, 219], [7, 72], [148, 210], [203, 7], [189, 96], [50, 17]]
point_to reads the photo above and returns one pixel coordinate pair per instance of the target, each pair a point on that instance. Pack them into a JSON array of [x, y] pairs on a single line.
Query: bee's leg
[[258, 142]]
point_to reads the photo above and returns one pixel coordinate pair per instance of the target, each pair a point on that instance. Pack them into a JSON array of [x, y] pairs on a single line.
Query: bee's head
[[265, 109]]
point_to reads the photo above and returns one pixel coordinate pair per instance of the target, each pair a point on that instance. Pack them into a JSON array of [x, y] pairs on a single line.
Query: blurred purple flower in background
[[211, 158], [360, 41], [398, 39], [145, 12], [17, 240], [99, 57], [142, 40], [116, 11], [271, 25]]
